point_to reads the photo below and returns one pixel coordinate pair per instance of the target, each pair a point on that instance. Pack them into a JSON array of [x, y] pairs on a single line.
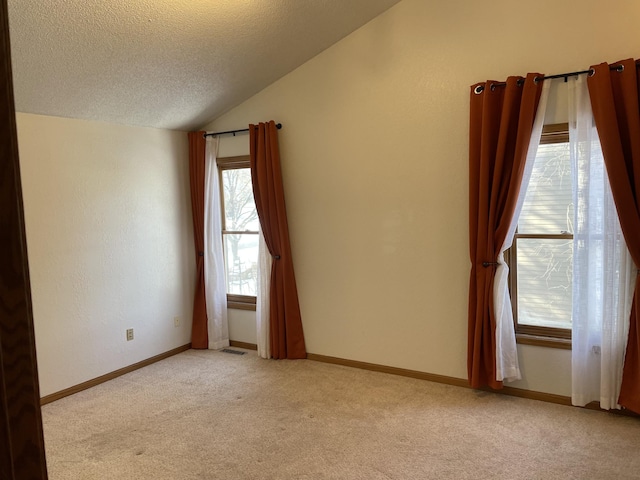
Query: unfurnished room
[[320, 239]]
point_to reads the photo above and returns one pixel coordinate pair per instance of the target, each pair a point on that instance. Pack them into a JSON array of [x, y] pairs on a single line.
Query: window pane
[[548, 204], [239, 206], [241, 259], [544, 282]]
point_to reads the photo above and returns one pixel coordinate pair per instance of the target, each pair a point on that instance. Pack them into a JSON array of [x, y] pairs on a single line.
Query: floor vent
[[236, 352]]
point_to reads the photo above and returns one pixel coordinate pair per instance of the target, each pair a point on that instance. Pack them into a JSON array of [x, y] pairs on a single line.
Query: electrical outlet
[[129, 334], [176, 321]]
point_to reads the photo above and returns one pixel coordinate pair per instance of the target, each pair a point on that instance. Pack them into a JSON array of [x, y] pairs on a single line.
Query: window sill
[[549, 342], [241, 306], [241, 302]]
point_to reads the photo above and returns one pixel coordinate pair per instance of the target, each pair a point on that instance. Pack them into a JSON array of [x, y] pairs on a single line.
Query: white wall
[[110, 244], [375, 160], [242, 326]]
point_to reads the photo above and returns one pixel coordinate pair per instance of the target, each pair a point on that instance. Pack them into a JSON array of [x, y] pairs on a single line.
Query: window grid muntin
[[236, 301], [557, 133]]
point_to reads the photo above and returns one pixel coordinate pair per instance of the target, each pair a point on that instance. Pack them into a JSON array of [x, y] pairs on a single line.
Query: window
[[239, 232], [541, 257]]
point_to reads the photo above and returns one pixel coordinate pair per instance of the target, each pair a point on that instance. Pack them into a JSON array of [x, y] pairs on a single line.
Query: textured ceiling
[[173, 64]]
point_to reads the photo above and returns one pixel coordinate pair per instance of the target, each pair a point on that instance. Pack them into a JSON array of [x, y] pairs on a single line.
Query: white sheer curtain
[[507, 368], [262, 298], [603, 272], [214, 276]]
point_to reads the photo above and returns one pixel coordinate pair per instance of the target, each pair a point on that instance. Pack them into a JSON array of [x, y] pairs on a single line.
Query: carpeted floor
[[213, 415]]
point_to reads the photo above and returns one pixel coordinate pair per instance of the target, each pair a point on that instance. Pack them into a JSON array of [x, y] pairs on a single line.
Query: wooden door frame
[[22, 454]]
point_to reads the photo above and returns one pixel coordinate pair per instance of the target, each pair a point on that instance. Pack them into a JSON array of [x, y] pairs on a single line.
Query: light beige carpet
[[213, 415]]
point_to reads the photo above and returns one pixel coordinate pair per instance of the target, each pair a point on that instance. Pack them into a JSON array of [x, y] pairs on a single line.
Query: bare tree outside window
[[240, 231], [545, 248], [541, 257]]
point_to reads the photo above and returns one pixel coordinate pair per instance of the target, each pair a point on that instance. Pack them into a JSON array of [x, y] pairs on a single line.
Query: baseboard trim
[[374, 367], [458, 382], [110, 376], [247, 346]]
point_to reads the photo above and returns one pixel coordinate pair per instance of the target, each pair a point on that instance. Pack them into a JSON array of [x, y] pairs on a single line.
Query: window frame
[[235, 301], [532, 334]]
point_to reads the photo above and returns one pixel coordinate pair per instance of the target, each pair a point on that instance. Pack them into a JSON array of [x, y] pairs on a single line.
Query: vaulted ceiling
[[173, 64]]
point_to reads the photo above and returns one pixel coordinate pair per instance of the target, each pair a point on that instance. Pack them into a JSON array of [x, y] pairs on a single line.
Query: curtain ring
[[520, 82], [479, 89], [493, 87], [536, 80], [592, 72], [620, 68]]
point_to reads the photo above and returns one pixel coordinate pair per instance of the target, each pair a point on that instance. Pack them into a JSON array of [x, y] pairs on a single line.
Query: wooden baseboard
[[247, 346], [431, 377], [458, 382], [110, 376], [461, 382]]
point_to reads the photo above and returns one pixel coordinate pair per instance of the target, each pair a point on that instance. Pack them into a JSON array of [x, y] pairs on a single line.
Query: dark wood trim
[[231, 163], [537, 331], [246, 346], [555, 133], [241, 306], [240, 232], [110, 376], [241, 302], [544, 236], [533, 395], [22, 454], [461, 382], [543, 341]]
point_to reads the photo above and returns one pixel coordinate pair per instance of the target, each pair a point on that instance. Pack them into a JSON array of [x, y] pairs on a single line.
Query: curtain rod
[[591, 71], [233, 132]]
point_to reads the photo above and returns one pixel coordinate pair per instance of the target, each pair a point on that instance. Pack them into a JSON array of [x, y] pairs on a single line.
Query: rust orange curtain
[[501, 122], [199, 333], [616, 110], [285, 324]]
